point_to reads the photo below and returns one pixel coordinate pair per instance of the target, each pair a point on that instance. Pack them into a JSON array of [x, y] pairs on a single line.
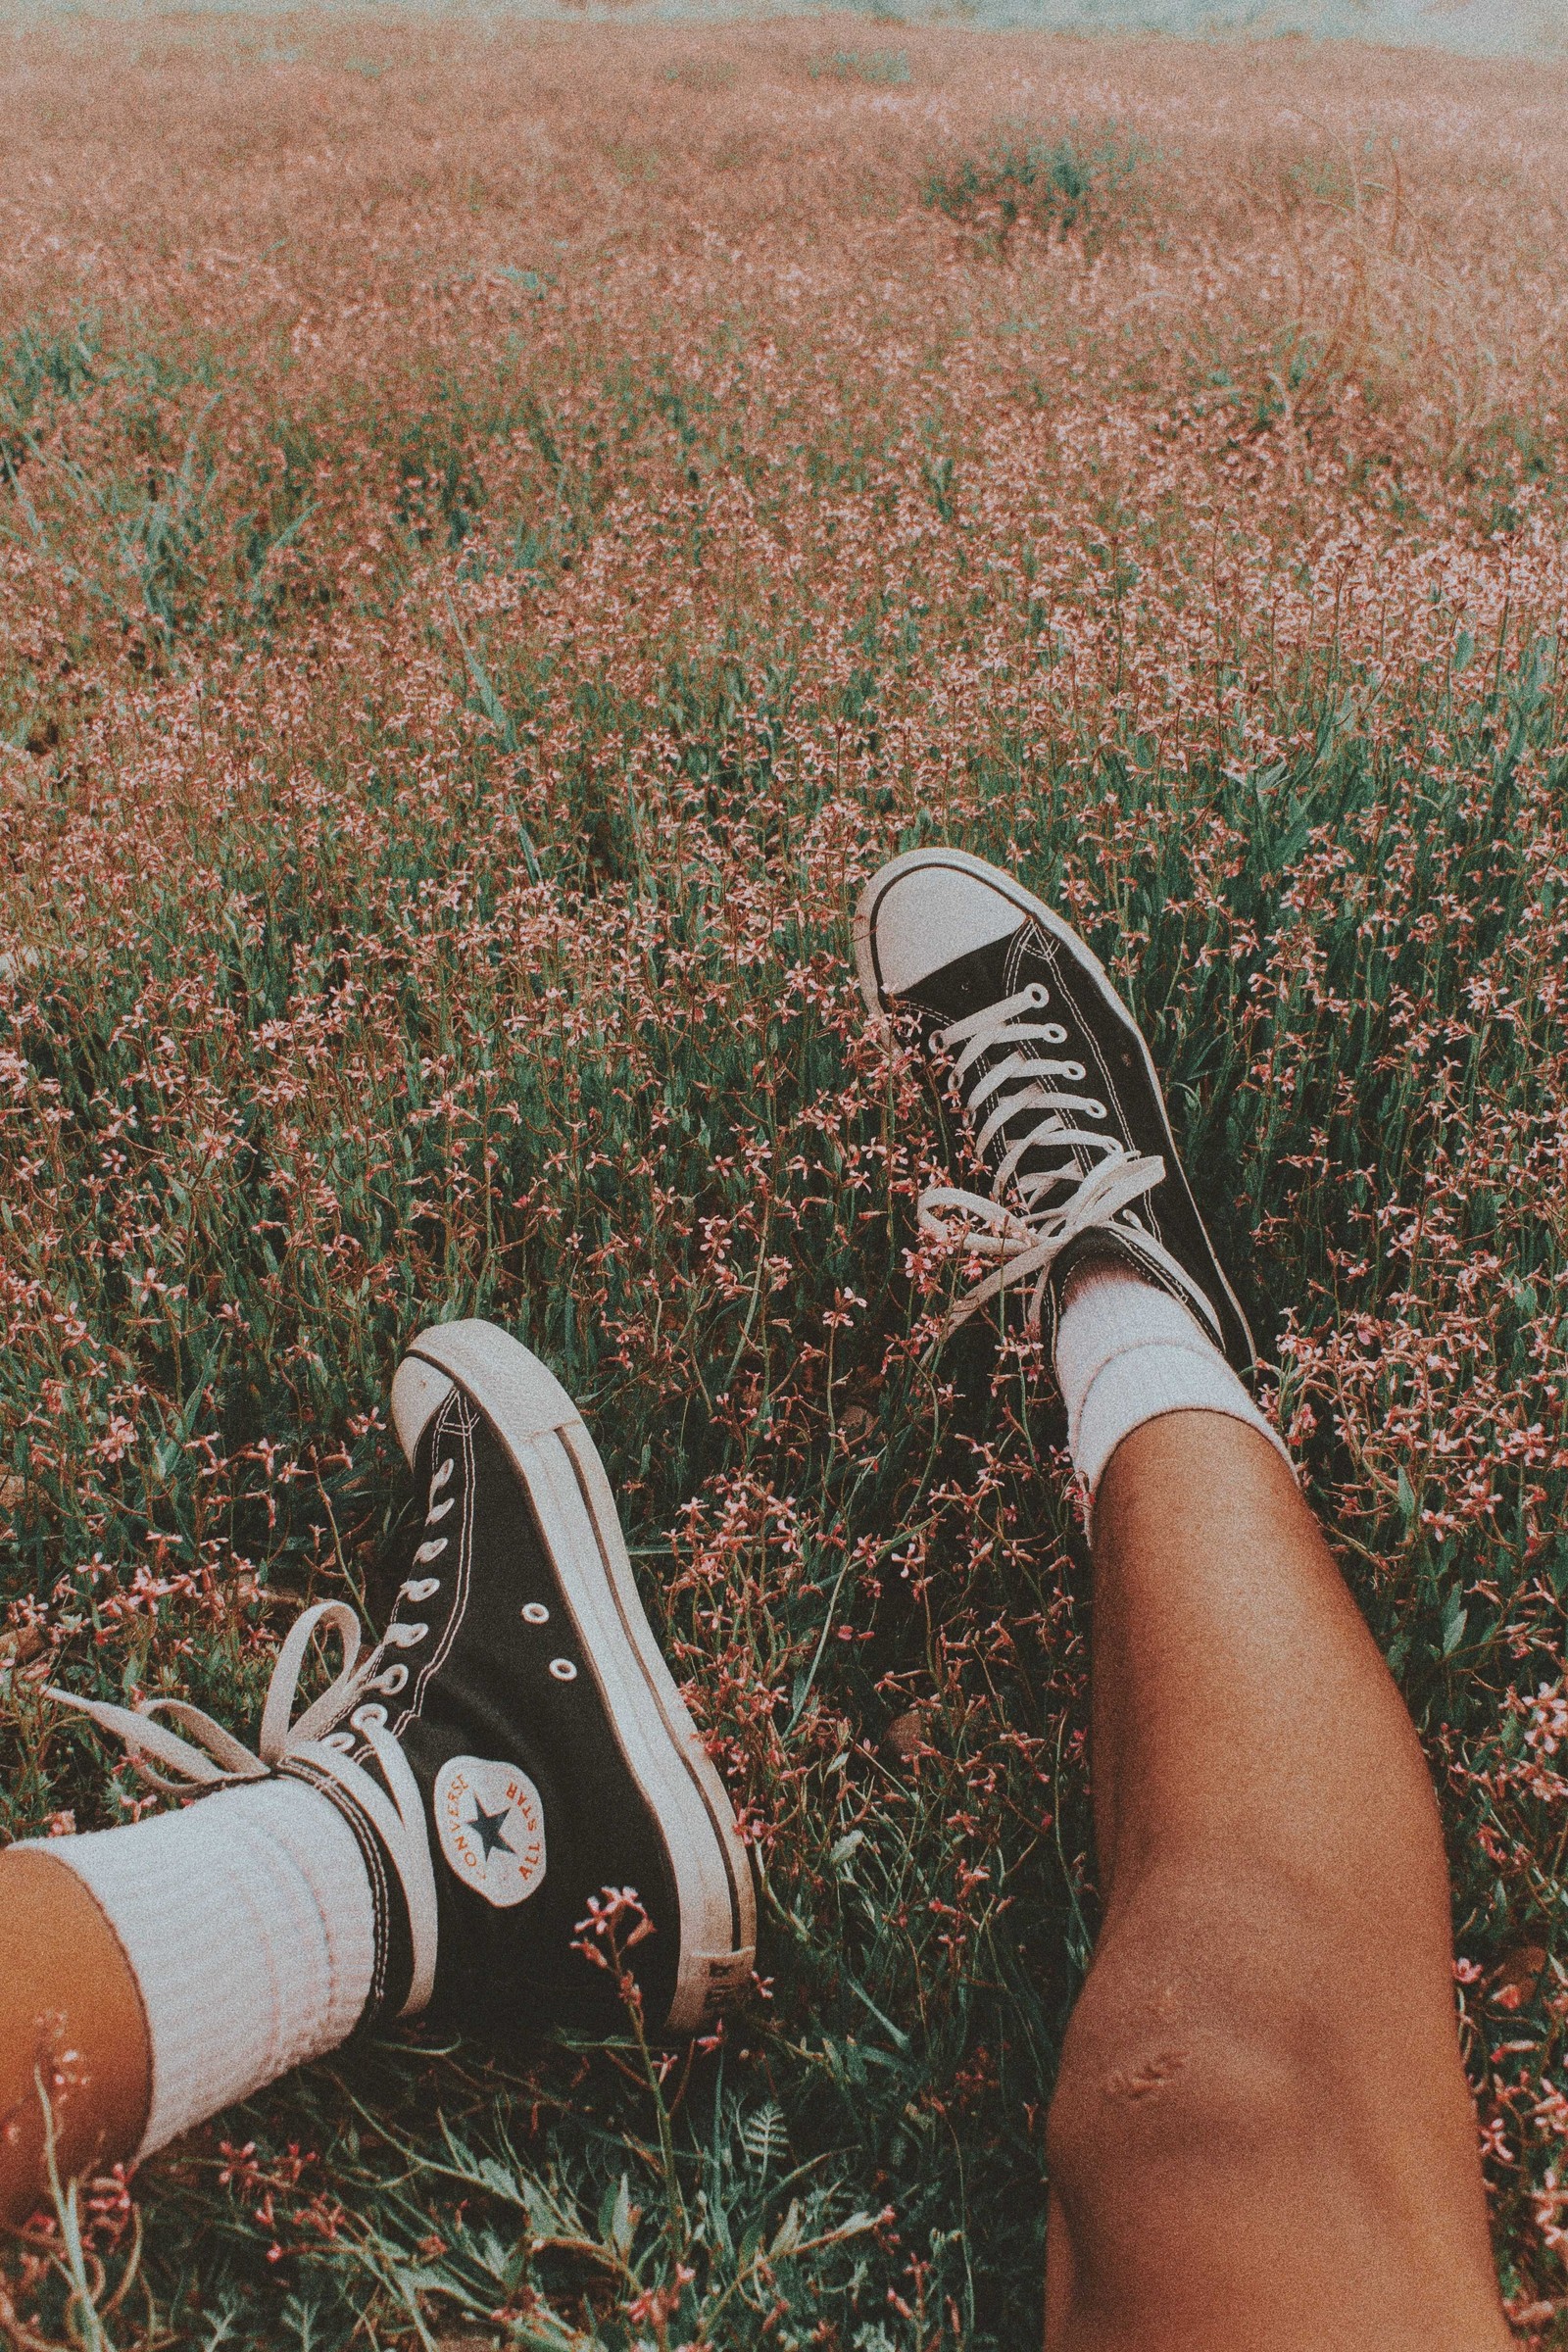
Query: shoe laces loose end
[[213, 1759]]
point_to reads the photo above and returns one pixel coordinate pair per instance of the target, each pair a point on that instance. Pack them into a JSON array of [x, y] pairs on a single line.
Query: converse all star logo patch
[[491, 1827]]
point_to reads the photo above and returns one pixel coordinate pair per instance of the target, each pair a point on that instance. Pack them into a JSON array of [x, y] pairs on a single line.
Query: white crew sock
[[1128, 1353], [248, 1922]]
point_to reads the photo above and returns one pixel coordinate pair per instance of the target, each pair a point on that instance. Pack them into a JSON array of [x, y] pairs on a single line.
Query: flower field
[[500, 529]]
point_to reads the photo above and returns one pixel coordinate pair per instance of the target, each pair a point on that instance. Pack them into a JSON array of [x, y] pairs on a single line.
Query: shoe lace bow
[[1087, 1178], [211, 1758]]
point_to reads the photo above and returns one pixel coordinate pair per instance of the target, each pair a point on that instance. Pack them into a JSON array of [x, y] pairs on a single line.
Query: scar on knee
[[1143, 2082]]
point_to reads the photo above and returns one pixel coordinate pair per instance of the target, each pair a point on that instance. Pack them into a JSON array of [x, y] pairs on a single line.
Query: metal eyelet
[[442, 1475], [534, 1612], [439, 1510], [364, 1718], [1096, 1111], [1038, 992], [1074, 1070], [430, 1551], [419, 1587], [407, 1637], [392, 1682], [342, 1741], [563, 1670]]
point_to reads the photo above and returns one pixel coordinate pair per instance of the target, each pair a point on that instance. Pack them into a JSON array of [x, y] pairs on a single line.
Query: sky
[[1477, 27], [1483, 27]]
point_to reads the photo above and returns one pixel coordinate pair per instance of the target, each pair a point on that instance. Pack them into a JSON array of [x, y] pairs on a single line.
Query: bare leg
[[71, 2019], [1261, 2138]]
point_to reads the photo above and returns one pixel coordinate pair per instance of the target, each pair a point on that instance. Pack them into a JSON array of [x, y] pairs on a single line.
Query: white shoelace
[[213, 1759], [1093, 1182]]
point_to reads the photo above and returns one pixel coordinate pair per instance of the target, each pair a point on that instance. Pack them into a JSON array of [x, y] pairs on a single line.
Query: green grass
[[1029, 179]]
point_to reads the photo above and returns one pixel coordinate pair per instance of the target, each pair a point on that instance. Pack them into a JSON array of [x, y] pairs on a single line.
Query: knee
[[1227, 2119], [1189, 2054]]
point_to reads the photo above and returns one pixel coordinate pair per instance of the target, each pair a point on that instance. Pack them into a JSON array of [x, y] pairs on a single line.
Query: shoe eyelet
[[364, 1719], [1055, 1034], [439, 1510], [1039, 994], [342, 1741], [937, 1044], [1096, 1111], [431, 1551], [563, 1670], [534, 1612], [441, 1476], [392, 1682], [407, 1637], [1074, 1070], [419, 1587]]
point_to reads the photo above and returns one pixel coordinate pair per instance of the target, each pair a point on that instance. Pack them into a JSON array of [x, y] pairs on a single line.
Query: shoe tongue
[[1048, 1158], [989, 975], [1028, 959]]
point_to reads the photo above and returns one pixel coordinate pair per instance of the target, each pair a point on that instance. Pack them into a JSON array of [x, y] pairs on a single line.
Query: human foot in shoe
[[1051, 1079], [514, 1744]]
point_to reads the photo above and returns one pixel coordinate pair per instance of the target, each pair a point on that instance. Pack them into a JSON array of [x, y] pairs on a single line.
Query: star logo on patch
[[490, 1827]]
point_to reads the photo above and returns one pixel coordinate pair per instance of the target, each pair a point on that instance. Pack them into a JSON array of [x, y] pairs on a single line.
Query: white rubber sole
[[559, 1464], [1036, 910]]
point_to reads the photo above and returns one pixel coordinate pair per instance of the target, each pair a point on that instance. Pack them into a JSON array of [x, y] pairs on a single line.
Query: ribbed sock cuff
[[1145, 1385], [1126, 1354], [247, 1921]]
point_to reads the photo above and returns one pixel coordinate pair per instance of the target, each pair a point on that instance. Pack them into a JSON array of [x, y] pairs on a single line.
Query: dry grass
[[499, 530]]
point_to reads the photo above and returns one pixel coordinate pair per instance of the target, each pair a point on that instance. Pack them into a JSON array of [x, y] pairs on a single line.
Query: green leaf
[[1455, 1619], [789, 2233]]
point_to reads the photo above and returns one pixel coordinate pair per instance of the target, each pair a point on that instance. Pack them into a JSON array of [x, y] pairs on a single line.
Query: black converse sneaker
[[1050, 1077], [512, 1755]]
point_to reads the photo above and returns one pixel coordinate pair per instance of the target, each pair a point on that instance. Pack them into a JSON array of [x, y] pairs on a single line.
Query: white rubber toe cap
[[924, 911], [487, 1361], [419, 1391], [499, 1374]]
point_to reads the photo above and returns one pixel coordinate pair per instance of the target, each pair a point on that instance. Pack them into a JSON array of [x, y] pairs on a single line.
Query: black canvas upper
[[480, 1684], [1101, 1035]]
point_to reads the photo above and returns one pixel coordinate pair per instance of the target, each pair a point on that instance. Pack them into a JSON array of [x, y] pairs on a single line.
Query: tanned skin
[[72, 2032], [1261, 2138]]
